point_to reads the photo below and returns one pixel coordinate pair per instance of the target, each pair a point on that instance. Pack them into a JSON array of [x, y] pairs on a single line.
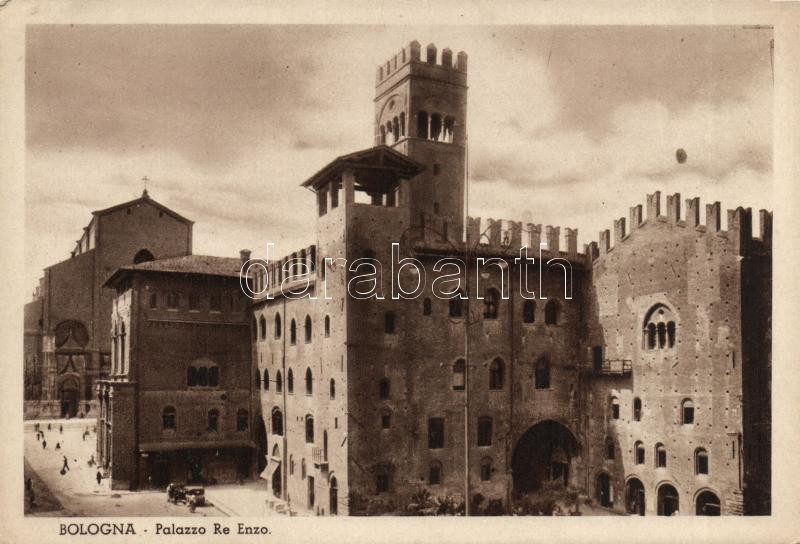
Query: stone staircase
[[735, 504]]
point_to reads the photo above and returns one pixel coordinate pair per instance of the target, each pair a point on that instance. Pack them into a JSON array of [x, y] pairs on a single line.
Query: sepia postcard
[[400, 273]]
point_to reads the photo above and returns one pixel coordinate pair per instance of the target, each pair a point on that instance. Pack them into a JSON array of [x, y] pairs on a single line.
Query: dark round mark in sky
[[680, 154]]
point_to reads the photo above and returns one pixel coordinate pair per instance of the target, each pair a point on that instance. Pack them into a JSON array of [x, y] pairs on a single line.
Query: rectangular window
[[172, 300], [388, 323], [153, 301], [383, 483], [485, 431], [215, 302], [194, 302], [435, 433]]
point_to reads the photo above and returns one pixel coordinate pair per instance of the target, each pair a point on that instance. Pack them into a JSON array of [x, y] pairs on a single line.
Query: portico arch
[[544, 453]]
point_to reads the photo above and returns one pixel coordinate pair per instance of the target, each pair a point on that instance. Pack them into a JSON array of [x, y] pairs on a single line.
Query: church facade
[[67, 334]]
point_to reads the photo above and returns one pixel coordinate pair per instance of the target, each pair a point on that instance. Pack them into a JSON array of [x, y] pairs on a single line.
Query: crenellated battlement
[[504, 234], [739, 222], [413, 53], [298, 263]]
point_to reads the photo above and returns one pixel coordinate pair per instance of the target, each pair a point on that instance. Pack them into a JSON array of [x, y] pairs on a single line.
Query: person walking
[[99, 477], [44, 444], [38, 438], [49, 428], [58, 445], [66, 464], [60, 429]]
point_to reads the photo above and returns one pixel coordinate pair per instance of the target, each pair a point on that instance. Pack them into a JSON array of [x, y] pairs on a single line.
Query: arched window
[[242, 420], [426, 306], [422, 125], [402, 123], [436, 127], [457, 305], [542, 374], [309, 429], [277, 421], [610, 449], [309, 382], [486, 469], [707, 504], [291, 465], [277, 325], [396, 128], [168, 418], [293, 332], [383, 389], [449, 129], [266, 380], [191, 376], [496, 374], [202, 376], [687, 412], [213, 420], [659, 328], [327, 326], [484, 431], [529, 311], [435, 473], [637, 409], [303, 468], [459, 375], [661, 456], [386, 418], [278, 382], [638, 453], [614, 408], [258, 379], [491, 303], [383, 134], [290, 381], [213, 376], [308, 329], [333, 389], [551, 312], [700, 461], [263, 322], [143, 256]]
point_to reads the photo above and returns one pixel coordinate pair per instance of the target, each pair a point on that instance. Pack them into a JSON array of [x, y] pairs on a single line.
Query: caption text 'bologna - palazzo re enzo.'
[[648, 390]]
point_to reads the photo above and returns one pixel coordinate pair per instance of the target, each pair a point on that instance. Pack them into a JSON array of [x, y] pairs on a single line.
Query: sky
[[567, 125]]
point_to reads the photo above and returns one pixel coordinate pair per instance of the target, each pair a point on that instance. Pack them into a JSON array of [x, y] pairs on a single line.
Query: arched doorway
[[543, 454], [261, 444], [605, 494], [668, 500], [70, 397], [276, 472], [634, 497], [707, 504], [333, 507]]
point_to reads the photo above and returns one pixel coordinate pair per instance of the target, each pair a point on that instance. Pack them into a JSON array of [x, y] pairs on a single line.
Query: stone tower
[[420, 111]]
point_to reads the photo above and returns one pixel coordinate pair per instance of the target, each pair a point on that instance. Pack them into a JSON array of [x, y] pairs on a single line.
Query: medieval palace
[[646, 388]]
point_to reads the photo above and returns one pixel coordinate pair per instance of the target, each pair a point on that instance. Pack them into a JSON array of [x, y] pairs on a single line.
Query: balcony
[[613, 367], [319, 458]]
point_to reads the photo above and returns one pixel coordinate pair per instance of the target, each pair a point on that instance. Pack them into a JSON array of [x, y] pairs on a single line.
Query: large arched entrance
[[261, 444], [69, 394], [605, 494], [668, 500], [707, 504], [634, 497], [277, 474], [543, 454]]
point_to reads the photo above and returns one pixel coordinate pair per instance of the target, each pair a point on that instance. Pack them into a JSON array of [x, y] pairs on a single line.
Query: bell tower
[[420, 111]]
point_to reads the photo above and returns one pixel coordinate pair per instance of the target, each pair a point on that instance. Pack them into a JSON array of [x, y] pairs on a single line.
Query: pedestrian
[[37, 436], [99, 477], [49, 428], [84, 437], [44, 444], [61, 429], [66, 464], [58, 445]]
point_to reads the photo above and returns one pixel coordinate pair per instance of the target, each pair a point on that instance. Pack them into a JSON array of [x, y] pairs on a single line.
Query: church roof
[[145, 198], [204, 265], [380, 157]]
